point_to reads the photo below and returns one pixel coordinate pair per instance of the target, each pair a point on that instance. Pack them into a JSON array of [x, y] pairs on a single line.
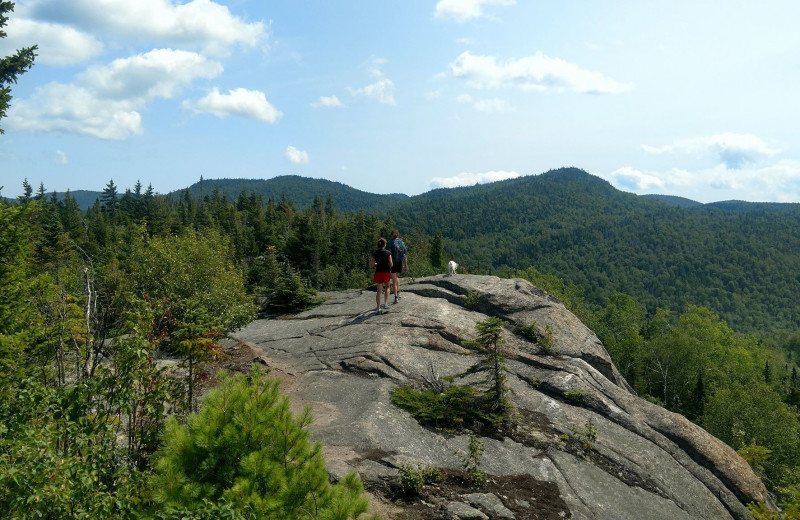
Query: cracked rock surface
[[343, 360]]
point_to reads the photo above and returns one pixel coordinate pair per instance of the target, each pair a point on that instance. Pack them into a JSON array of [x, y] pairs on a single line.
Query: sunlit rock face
[[343, 359]]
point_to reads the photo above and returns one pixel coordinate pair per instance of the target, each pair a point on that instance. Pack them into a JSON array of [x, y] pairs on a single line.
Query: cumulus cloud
[[778, 182], [105, 100], [296, 156], [61, 157], [733, 150], [532, 73], [158, 73], [381, 91], [463, 10], [469, 179], [58, 44], [240, 102], [201, 24], [73, 109], [632, 179], [328, 102]]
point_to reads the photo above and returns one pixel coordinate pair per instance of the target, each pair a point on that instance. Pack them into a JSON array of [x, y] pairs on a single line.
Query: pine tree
[[27, 191], [11, 66], [247, 450], [493, 364]]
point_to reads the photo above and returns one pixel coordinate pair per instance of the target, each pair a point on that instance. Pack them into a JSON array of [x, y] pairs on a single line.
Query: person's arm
[[391, 262], [372, 262]]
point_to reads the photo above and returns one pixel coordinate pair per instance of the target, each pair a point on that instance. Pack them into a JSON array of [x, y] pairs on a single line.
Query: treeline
[[741, 262], [92, 302], [91, 299]]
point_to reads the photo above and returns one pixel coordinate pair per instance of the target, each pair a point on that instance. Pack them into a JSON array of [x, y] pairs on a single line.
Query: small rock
[[463, 511], [491, 503]]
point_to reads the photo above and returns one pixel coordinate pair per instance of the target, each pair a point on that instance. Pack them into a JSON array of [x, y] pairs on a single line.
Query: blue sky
[[691, 98]]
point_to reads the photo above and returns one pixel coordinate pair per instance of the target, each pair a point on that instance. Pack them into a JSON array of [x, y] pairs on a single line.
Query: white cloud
[[734, 150], [381, 91], [61, 157], [57, 44], [464, 98], [778, 182], [537, 73], [201, 24], [158, 73], [433, 94], [463, 10], [632, 179], [296, 156], [240, 102], [72, 109], [104, 102], [469, 179], [328, 102]]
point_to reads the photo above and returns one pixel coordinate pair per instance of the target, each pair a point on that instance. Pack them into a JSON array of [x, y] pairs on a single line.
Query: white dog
[[451, 267]]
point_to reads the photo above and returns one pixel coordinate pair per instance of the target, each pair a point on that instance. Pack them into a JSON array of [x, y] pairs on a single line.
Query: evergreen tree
[[11, 66], [27, 191], [110, 200], [492, 365], [246, 449]]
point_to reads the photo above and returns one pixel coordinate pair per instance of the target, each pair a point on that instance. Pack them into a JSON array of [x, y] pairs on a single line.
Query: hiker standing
[[382, 262], [398, 250]]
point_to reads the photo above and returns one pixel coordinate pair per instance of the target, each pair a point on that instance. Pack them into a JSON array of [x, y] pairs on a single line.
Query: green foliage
[[542, 337], [245, 448], [193, 271], [471, 461], [11, 66], [492, 365], [473, 299], [456, 407], [586, 437], [575, 395], [411, 479]]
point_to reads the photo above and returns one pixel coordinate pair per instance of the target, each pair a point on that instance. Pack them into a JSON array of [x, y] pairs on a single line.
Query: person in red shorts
[[382, 262]]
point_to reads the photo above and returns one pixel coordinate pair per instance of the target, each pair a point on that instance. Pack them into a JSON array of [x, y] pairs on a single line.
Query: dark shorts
[[397, 268], [382, 277]]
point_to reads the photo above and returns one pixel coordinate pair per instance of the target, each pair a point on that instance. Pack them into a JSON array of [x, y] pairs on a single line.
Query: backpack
[[398, 251]]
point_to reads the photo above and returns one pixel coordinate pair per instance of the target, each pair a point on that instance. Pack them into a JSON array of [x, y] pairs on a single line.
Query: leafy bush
[[575, 395], [411, 479], [542, 337]]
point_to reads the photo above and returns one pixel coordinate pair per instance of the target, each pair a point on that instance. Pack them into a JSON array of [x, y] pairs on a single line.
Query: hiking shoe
[[396, 299], [385, 307]]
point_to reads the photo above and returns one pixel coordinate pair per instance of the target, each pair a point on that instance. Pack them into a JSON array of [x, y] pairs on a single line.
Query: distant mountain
[[84, 198], [740, 260], [673, 200], [737, 258], [300, 190]]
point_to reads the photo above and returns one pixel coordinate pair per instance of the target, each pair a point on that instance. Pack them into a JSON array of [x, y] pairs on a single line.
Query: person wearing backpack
[[382, 263], [400, 262]]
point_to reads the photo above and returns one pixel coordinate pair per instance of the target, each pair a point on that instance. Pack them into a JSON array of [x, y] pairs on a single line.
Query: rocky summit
[[642, 462]]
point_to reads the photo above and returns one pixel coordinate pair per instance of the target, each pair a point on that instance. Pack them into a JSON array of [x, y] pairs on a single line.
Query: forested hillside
[[300, 190], [140, 275], [740, 260]]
